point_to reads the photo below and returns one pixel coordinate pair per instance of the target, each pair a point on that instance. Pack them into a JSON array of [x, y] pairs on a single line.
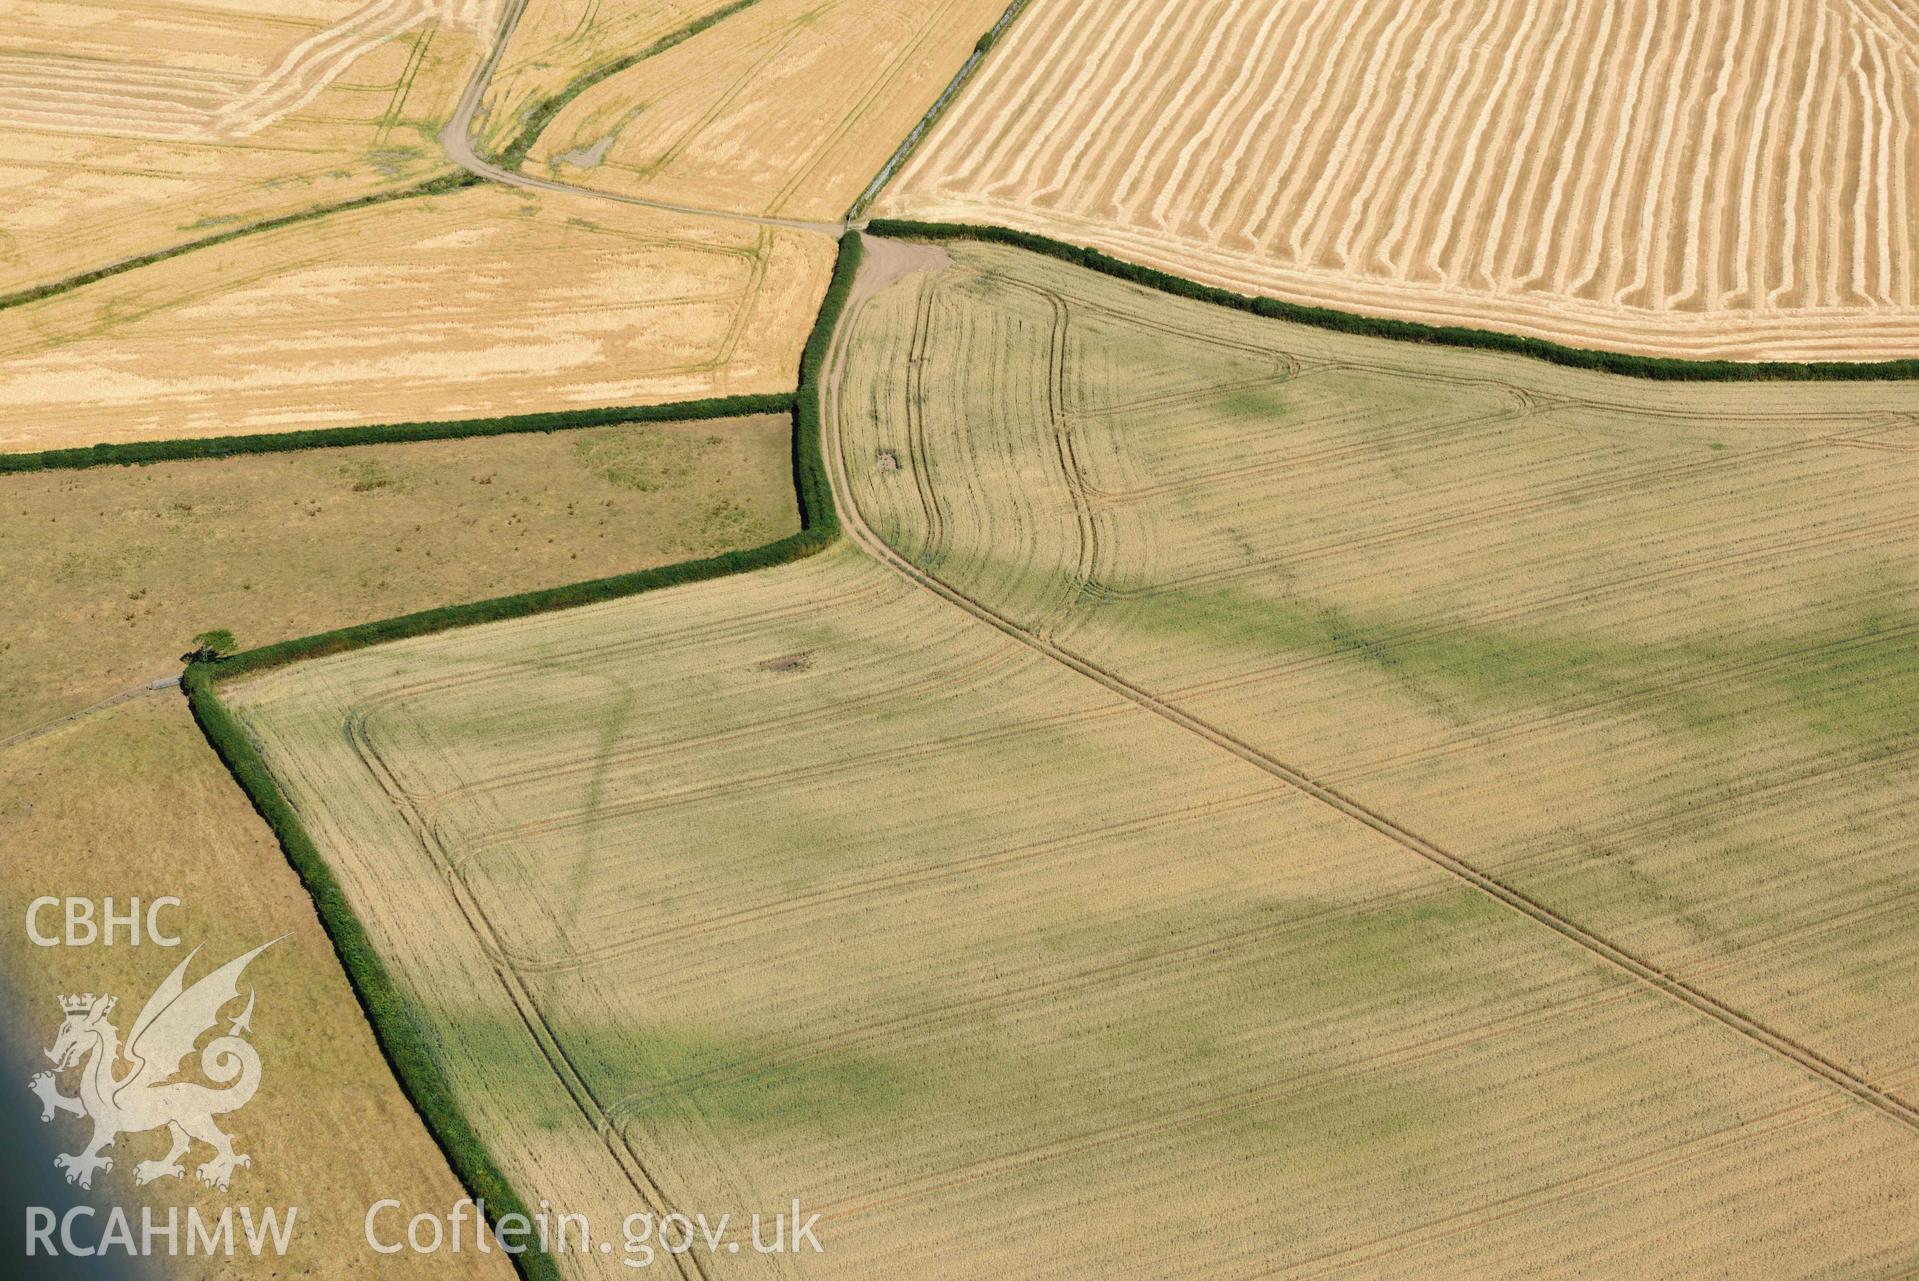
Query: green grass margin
[[541, 114], [141, 452], [401, 1035], [1661, 368], [432, 187]]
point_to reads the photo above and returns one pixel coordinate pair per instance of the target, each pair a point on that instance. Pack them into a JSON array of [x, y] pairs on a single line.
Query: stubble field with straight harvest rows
[[480, 302], [849, 894], [129, 127], [1722, 179], [785, 108]]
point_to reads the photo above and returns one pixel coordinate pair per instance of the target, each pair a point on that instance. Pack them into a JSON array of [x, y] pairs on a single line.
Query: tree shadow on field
[[613, 717]]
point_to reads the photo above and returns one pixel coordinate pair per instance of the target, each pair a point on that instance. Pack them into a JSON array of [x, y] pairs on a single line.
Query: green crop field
[[1644, 651], [1396, 807]]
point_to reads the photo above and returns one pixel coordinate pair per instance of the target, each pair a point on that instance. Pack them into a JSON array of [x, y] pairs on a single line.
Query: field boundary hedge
[[400, 1034], [431, 187], [1663, 368], [403, 1043], [140, 452]]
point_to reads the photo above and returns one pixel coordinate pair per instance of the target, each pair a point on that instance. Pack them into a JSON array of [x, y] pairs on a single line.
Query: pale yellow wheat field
[[1702, 179], [556, 42], [789, 107], [811, 884], [128, 126], [481, 302]]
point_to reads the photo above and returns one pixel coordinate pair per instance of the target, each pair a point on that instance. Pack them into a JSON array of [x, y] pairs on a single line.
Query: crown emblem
[[77, 1004]]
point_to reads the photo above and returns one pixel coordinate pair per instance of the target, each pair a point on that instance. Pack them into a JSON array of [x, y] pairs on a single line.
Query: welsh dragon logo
[[146, 1095]]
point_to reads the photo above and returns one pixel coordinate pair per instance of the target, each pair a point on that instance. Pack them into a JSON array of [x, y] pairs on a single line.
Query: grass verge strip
[[934, 112], [135, 453], [432, 187], [396, 1026], [1666, 368], [541, 114]]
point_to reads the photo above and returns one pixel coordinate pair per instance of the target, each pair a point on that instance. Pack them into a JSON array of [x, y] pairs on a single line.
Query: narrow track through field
[[457, 138]]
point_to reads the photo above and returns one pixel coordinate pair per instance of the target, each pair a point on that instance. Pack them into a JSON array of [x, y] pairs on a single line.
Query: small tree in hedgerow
[[209, 647]]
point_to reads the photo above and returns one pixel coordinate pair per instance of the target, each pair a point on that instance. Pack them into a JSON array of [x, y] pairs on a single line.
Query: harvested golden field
[[132, 802], [481, 302], [113, 570], [818, 883], [785, 108], [557, 42], [1697, 179], [128, 126]]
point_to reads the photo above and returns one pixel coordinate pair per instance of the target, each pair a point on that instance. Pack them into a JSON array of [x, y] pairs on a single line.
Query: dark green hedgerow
[[809, 468], [135, 453], [400, 1030], [432, 187], [541, 114], [407, 1047], [819, 525], [1612, 362]]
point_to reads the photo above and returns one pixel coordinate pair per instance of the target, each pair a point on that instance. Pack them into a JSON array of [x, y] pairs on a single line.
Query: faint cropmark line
[[148, 1095]]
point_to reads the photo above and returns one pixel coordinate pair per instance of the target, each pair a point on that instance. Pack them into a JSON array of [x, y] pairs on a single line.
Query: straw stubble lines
[[54, 93], [1719, 179]]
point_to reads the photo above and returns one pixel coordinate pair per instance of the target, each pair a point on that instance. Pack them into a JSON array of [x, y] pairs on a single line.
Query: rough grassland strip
[[432, 187], [136, 453], [395, 1026], [819, 525], [1663, 368], [934, 112], [539, 116]]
